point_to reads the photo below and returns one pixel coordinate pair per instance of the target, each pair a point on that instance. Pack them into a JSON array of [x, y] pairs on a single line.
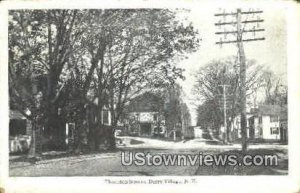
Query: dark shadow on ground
[[135, 142], [127, 172]]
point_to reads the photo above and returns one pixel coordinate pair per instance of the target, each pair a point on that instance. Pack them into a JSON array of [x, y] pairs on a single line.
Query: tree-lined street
[[88, 84]]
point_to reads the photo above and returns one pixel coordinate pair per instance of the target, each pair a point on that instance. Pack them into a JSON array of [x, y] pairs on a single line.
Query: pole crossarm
[[245, 40], [251, 12], [235, 23], [244, 12], [224, 14], [246, 31]]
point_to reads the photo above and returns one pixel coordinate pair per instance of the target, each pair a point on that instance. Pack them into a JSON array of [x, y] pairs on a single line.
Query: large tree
[[62, 60], [40, 45], [139, 51], [274, 88], [208, 87]]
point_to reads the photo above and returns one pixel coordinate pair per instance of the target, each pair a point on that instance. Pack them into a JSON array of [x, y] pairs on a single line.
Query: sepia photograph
[[160, 94], [113, 92]]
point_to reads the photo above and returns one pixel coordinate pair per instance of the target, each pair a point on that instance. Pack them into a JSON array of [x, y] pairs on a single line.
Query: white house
[[20, 130], [264, 122]]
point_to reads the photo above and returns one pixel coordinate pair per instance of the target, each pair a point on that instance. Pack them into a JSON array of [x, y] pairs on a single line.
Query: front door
[[145, 129]]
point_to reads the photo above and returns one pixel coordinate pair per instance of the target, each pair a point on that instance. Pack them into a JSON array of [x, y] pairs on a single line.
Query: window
[[260, 120], [274, 119], [260, 131], [17, 127], [95, 118], [105, 117], [155, 117], [274, 130]]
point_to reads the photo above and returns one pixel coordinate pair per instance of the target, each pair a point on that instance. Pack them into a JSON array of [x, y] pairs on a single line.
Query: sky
[[270, 53]]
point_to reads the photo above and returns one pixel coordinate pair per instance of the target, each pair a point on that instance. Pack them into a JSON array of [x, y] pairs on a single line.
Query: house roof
[[13, 114], [147, 102], [271, 110], [284, 114]]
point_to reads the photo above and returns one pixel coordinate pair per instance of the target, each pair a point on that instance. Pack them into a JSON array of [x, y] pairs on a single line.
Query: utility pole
[[237, 22], [224, 99], [225, 111], [243, 81]]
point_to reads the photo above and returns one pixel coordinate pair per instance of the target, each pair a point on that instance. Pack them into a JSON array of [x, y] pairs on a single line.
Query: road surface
[[109, 164]]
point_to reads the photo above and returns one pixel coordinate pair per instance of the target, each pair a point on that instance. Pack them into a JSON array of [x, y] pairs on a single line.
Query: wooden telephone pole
[[237, 22], [224, 108]]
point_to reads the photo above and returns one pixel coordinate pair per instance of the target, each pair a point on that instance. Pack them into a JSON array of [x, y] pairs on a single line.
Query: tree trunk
[[55, 128], [111, 137], [228, 133], [35, 146]]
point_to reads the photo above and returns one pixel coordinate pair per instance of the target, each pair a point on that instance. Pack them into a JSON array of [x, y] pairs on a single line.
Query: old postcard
[[164, 96]]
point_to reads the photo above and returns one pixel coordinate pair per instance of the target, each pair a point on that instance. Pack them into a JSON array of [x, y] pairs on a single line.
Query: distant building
[[283, 120], [151, 115], [93, 113], [267, 122], [145, 114], [189, 132], [198, 132], [20, 130], [235, 129]]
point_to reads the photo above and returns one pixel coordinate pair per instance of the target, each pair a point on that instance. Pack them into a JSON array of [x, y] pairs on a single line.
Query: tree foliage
[[209, 81], [275, 89], [62, 60]]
